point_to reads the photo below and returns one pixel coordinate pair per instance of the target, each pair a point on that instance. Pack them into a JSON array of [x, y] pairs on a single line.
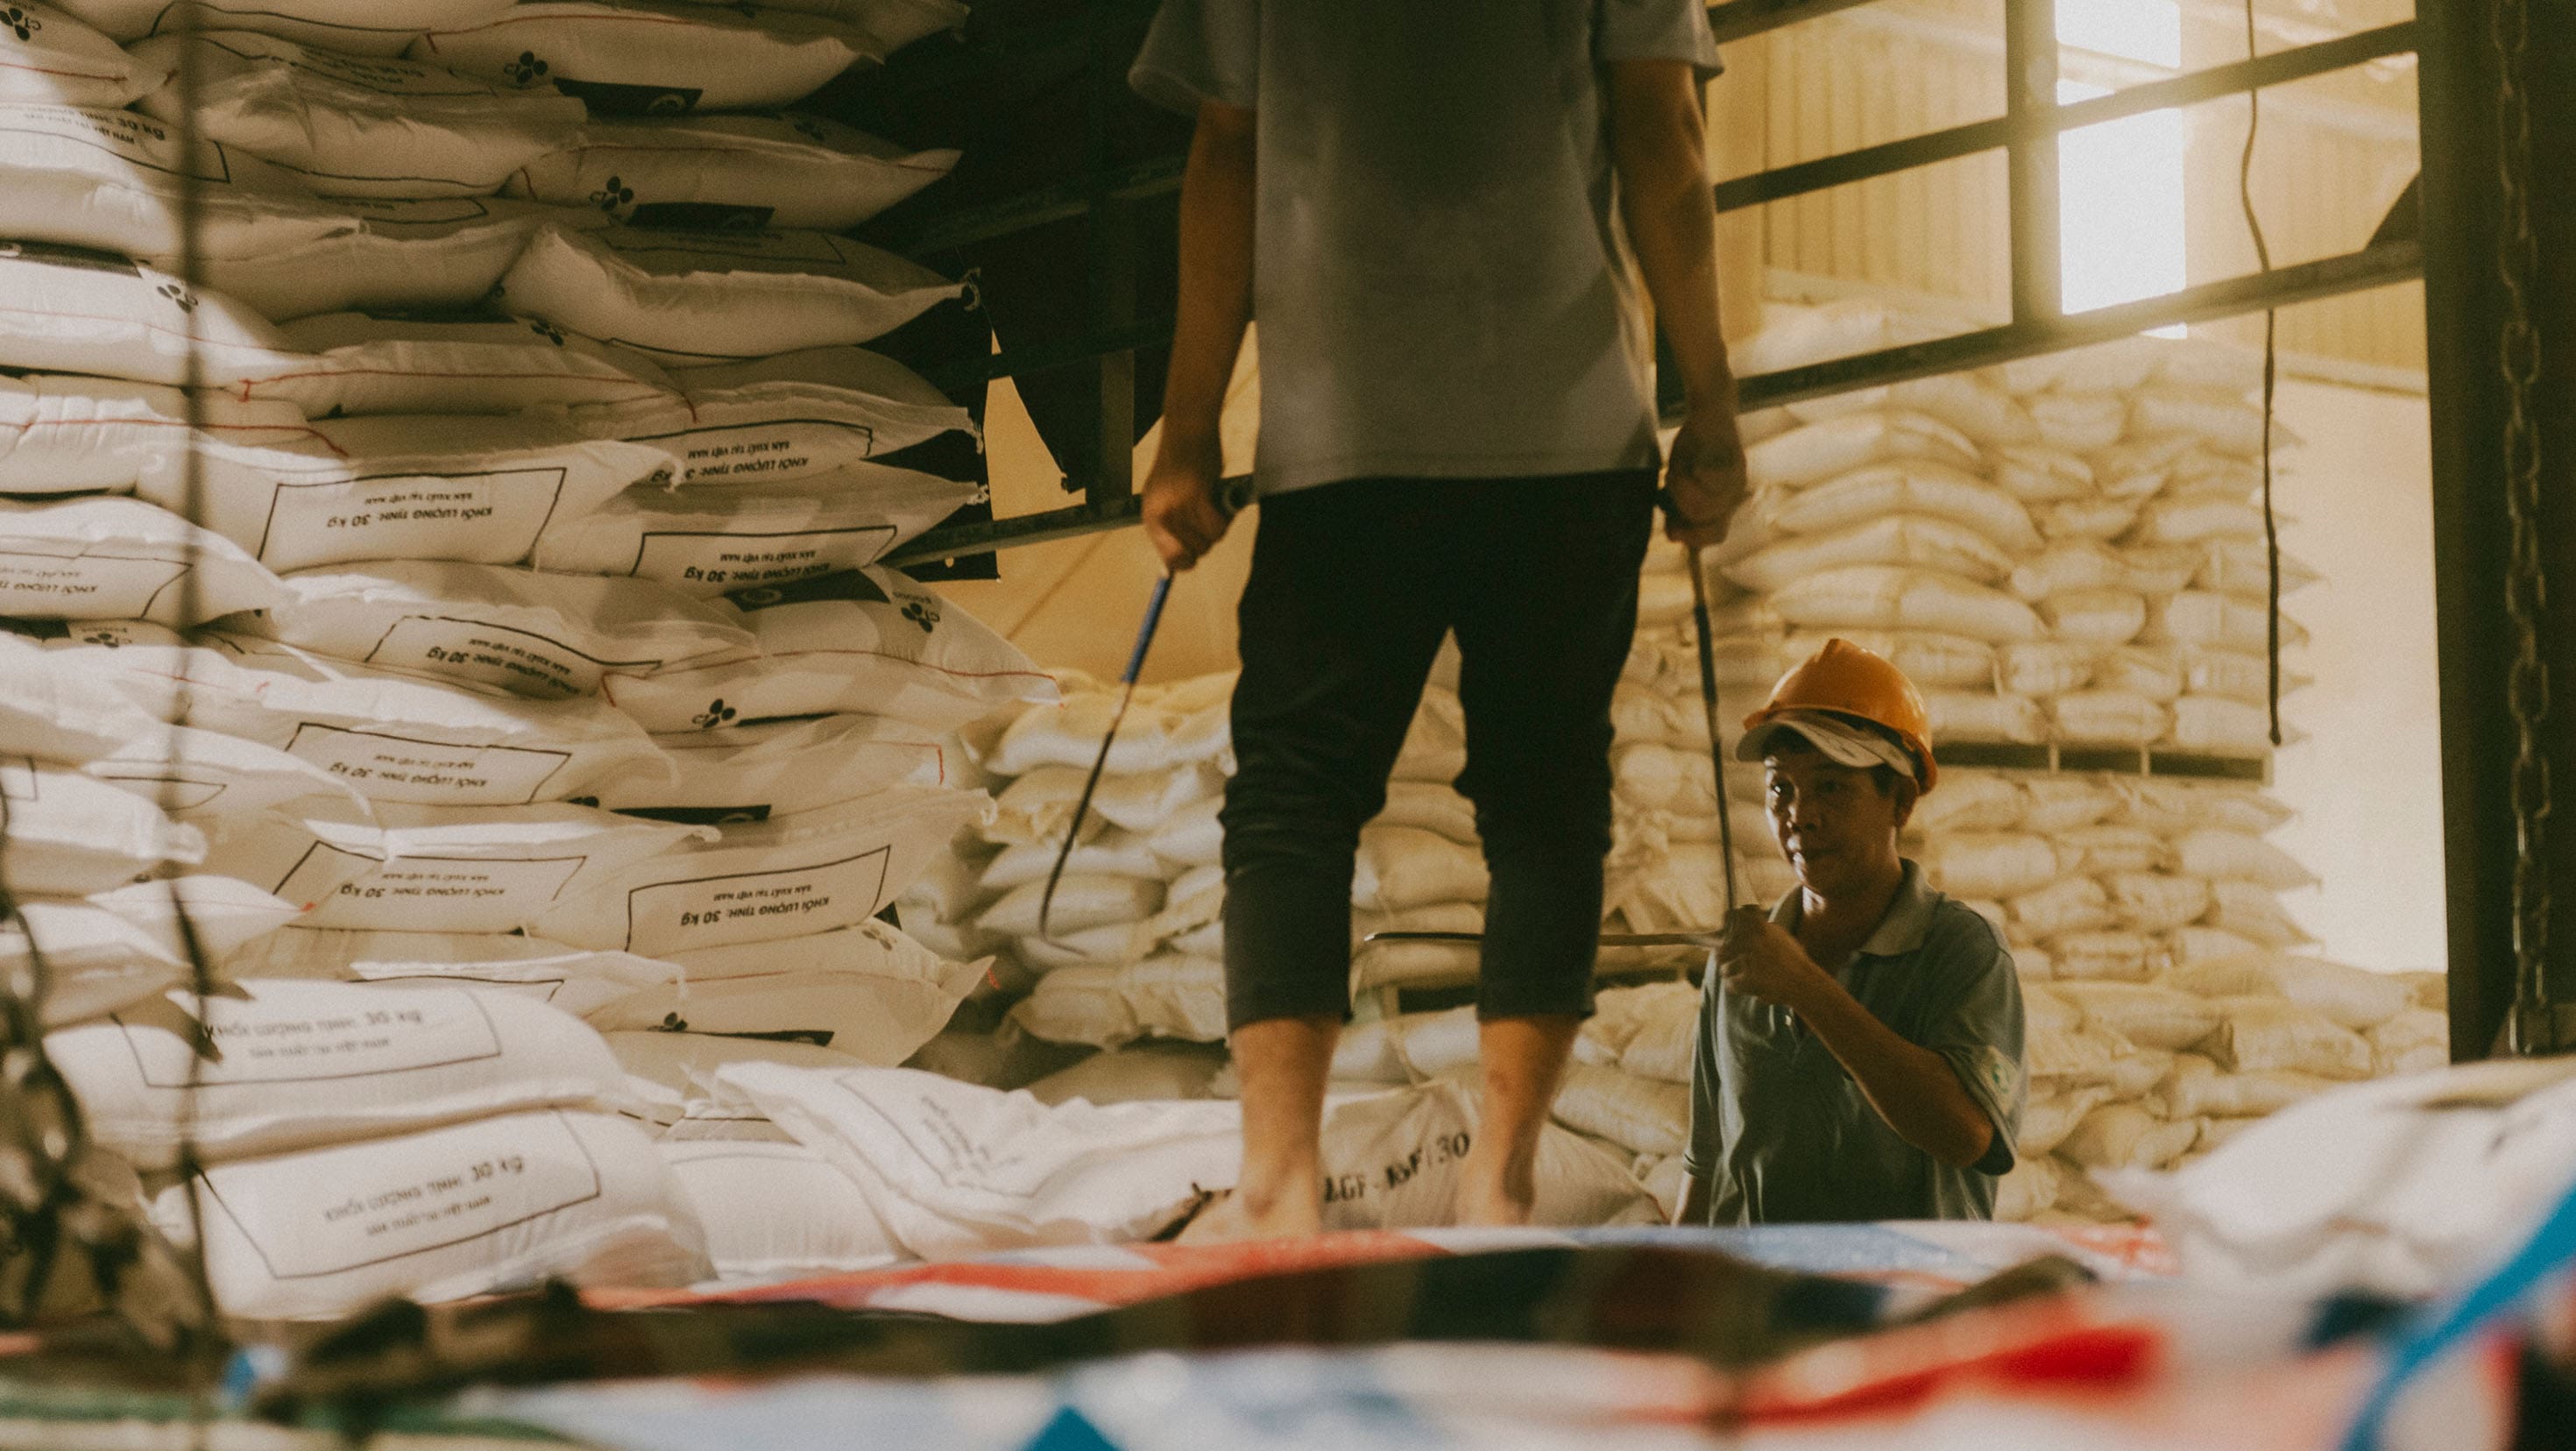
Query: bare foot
[[1490, 1196], [1228, 1219]]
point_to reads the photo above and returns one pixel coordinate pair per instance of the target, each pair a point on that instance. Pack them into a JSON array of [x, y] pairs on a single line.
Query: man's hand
[[1761, 960], [1184, 514], [1704, 477]]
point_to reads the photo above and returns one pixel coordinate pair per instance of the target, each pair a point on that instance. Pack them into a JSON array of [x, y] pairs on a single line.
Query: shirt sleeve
[[1978, 1028], [1656, 30], [1201, 50], [1700, 1152]]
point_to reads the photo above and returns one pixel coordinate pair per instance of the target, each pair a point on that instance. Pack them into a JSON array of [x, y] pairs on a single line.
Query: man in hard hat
[[1439, 214], [1860, 1047]]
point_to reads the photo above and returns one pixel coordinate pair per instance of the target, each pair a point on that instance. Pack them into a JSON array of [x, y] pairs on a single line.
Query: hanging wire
[[2271, 383], [2532, 1027]]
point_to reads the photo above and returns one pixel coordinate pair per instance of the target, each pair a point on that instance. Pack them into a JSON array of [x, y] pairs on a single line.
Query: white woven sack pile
[[400, 694], [2067, 549]]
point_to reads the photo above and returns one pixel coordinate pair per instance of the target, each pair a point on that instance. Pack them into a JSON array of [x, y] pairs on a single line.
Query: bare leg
[[1524, 1058], [1283, 1063]]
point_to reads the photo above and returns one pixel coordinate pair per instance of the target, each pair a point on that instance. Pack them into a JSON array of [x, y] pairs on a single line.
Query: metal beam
[[2030, 93], [2379, 266], [1951, 143], [1744, 19]]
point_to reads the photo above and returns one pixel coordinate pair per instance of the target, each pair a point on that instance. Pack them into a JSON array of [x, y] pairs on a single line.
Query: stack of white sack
[[431, 1140], [2067, 549], [1134, 946], [942, 1168]]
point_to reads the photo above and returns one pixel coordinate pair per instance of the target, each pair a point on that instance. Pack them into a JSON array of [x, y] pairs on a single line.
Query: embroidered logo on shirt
[[2000, 1073]]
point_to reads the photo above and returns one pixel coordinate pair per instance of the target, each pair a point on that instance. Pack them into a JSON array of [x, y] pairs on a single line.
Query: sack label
[[309, 1215], [401, 769], [756, 906]]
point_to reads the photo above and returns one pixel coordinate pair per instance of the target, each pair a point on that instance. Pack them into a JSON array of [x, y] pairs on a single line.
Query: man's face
[[1834, 823]]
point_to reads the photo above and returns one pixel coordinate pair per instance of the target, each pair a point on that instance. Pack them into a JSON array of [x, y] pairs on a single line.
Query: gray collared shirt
[[1780, 1129], [1440, 272]]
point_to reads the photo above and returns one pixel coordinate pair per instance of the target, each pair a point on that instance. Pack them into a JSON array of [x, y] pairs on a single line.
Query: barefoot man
[[1438, 214]]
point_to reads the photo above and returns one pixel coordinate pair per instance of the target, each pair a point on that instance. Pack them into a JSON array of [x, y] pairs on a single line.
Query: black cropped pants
[[1353, 586]]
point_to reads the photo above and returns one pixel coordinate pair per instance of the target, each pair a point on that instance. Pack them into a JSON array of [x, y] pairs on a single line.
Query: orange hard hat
[[1845, 681]]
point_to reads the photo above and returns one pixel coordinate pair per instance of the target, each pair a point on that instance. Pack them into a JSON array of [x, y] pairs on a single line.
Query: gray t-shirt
[[1781, 1130], [1441, 279]]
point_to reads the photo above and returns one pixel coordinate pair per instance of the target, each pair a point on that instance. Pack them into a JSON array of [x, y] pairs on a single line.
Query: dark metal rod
[[1951, 143]]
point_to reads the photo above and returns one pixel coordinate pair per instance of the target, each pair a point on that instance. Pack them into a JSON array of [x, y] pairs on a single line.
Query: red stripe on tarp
[[1173, 1270]]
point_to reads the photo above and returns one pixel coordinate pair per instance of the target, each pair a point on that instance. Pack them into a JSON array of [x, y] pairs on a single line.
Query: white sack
[[1392, 1161], [446, 253], [545, 636], [1819, 451], [66, 310], [50, 58], [2151, 1017], [2044, 668], [357, 27], [775, 1211], [768, 538], [393, 737], [66, 834], [2353, 997], [115, 559], [2150, 672], [952, 1168], [2153, 902], [2095, 616], [2038, 474], [779, 768], [1400, 867], [1884, 597], [797, 875], [739, 172], [2125, 1136], [634, 58], [2196, 1087], [1112, 854], [450, 868], [875, 1018], [671, 1074], [2242, 567], [795, 416], [1898, 539], [443, 1214], [1068, 732], [402, 487], [1080, 902], [1990, 864], [2108, 717], [310, 1063], [1918, 488], [1642, 1115], [712, 297], [101, 178], [349, 127], [2225, 622], [2085, 519], [2256, 1034], [566, 978], [208, 778], [2078, 422], [866, 640], [66, 434], [1141, 803], [2234, 856], [468, 362], [2102, 956], [2402, 1188]]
